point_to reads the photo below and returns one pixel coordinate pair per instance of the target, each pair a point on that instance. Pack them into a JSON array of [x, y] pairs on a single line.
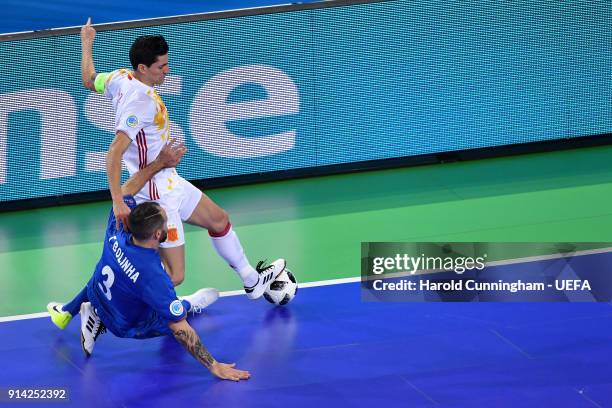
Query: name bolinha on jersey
[[123, 261]]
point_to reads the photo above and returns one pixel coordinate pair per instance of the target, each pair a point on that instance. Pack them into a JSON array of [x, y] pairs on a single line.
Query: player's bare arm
[[113, 172], [190, 340], [169, 156], [88, 70]]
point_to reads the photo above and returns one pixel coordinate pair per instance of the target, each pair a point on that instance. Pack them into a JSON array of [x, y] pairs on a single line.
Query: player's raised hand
[[171, 154], [122, 212], [228, 372], [88, 33]]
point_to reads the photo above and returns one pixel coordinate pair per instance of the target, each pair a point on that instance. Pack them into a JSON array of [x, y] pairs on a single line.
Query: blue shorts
[[152, 326]]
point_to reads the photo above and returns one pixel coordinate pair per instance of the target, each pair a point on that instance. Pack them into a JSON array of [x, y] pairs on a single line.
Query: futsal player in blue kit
[[130, 292]]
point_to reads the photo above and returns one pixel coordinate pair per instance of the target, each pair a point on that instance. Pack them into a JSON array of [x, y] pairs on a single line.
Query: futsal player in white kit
[[142, 128]]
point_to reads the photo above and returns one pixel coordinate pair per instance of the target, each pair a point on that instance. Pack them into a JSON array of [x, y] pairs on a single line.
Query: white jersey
[[141, 114]]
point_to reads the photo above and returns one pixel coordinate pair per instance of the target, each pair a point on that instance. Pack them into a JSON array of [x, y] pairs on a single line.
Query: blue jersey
[[130, 282]]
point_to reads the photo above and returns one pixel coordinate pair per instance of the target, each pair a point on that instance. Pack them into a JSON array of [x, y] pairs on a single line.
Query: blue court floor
[[330, 349]]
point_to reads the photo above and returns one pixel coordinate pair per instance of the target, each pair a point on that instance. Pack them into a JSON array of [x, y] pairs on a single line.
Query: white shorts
[[179, 205]]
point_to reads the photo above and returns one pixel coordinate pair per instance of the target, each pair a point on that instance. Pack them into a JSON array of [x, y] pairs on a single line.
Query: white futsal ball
[[283, 289]]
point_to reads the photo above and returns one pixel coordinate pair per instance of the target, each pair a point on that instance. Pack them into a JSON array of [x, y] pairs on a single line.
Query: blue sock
[[75, 304], [186, 304]]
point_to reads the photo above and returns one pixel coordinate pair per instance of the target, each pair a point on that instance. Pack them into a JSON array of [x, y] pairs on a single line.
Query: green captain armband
[[100, 82]]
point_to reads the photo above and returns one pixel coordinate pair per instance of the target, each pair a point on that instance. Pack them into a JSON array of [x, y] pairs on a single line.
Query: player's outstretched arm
[[185, 335], [88, 70], [169, 156]]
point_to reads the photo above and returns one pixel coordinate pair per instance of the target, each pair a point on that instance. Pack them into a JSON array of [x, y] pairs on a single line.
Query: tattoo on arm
[[190, 340]]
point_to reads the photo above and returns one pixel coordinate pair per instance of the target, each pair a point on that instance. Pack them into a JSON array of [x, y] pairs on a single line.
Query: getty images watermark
[[405, 262], [484, 271]]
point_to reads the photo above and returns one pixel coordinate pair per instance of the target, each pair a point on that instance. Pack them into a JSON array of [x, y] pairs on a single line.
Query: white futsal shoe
[[201, 299], [267, 274], [91, 328]]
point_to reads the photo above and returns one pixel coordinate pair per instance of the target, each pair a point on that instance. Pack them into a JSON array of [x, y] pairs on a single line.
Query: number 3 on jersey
[[108, 282]]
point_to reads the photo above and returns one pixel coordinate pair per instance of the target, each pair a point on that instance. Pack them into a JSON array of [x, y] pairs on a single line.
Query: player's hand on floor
[[122, 212], [171, 154], [228, 372]]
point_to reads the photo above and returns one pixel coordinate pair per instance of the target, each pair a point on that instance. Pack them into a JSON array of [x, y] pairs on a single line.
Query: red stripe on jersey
[[138, 145], [140, 149], [141, 141], [155, 191], [144, 143]]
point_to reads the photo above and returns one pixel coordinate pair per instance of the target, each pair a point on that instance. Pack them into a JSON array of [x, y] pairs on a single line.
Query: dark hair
[[145, 219], [146, 49]]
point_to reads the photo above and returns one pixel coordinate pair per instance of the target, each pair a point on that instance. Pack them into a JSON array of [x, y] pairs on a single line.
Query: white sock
[[229, 248]]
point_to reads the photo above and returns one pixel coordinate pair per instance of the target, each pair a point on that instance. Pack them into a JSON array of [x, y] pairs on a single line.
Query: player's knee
[[177, 280], [176, 276], [219, 223]]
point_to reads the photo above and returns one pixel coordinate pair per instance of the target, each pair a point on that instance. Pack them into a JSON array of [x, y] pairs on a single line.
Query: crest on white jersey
[[131, 121]]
